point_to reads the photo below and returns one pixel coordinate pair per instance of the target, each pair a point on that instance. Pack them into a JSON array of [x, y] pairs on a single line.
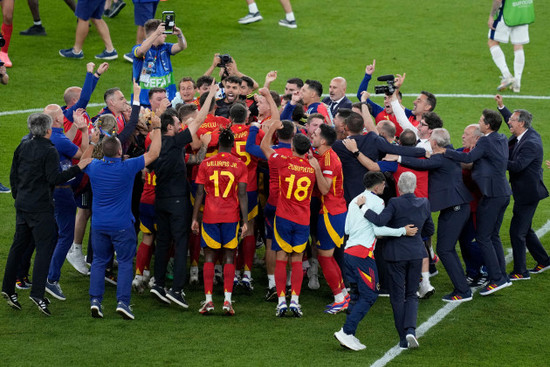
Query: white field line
[[442, 95], [442, 312]]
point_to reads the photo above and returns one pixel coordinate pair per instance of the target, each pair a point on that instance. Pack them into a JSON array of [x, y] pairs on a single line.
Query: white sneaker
[[347, 340], [146, 276], [412, 342], [76, 259], [194, 275], [425, 292], [151, 282], [312, 274], [506, 82], [137, 284], [515, 86], [288, 23], [251, 18]]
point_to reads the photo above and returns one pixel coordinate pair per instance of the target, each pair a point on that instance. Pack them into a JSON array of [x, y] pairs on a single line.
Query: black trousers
[[41, 228], [173, 223]]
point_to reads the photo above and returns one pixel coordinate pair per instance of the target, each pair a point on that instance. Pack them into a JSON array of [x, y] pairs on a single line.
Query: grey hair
[[407, 182], [39, 124], [477, 131], [441, 137], [526, 117]]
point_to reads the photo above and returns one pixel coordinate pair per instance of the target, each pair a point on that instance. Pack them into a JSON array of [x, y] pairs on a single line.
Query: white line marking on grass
[[442, 312], [18, 112], [461, 95], [442, 95]]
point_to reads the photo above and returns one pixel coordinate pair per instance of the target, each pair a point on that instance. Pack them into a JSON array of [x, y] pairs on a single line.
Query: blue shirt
[[65, 148], [157, 65], [112, 182]]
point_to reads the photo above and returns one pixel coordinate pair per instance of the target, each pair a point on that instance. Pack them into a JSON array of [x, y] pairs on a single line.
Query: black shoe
[[42, 305], [34, 30], [116, 8], [177, 298], [107, 13], [12, 300], [271, 295], [160, 294]]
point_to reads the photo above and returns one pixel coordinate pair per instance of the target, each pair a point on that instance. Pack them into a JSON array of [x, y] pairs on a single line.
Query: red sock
[[280, 277], [239, 257], [331, 274], [208, 275], [194, 248], [6, 32], [143, 258], [228, 276], [339, 272], [249, 248], [296, 277]]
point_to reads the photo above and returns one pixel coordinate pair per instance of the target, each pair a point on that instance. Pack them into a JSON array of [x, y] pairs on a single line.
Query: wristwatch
[[356, 153]]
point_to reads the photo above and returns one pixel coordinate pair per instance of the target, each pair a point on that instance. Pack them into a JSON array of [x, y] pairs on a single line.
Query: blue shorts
[[147, 220], [252, 204], [269, 215], [330, 231], [218, 235], [86, 9], [144, 11], [289, 236]]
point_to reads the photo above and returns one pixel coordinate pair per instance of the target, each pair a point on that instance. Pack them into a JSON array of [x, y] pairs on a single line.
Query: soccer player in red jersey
[[291, 225], [223, 178], [332, 216], [238, 116]]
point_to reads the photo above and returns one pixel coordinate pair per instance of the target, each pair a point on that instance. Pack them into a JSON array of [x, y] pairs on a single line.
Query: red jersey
[[241, 131], [331, 167], [212, 125], [274, 176], [221, 175], [421, 190], [296, 182], [148, 193]]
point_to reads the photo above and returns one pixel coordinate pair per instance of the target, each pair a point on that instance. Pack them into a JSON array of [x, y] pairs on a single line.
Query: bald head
[[337, 88], [71, 96], [55, 112]]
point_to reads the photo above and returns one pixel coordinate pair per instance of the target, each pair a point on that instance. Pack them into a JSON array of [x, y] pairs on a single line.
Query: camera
[[169, 20], [224, 60], [2, 40], [387, 89]]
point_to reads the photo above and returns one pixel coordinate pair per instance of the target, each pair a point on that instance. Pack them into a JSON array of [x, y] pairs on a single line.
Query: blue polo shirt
[[65, 148], [112, 183]]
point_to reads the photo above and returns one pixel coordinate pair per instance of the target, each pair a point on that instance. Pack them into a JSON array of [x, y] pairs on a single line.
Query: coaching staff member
[[34, 173]]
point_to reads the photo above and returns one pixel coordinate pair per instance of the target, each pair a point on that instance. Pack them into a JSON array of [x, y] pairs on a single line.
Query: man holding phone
[[152, 65]]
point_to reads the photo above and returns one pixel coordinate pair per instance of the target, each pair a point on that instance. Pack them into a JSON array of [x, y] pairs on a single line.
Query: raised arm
[[148, 42], [130, 128], [194, 124], [156, 141], [182, 42], [265, 145], [367, 117]]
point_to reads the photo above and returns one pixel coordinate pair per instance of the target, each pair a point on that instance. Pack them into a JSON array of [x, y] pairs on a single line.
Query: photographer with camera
[[152, 65]]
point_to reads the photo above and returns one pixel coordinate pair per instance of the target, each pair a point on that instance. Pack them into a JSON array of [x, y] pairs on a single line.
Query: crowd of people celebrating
[[218, 168]]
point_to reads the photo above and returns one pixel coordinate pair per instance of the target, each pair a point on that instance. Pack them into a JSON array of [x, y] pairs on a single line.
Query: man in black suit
[[448, 195], [525, 169], [404, 254], [490, 158], [370, 145], [337, 93]]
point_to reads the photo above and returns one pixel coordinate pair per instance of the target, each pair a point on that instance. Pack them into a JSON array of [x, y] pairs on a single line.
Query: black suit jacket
[[525, 168], [372, 146], [445, 185], [490, 158], [403, 210], [344, 103]]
